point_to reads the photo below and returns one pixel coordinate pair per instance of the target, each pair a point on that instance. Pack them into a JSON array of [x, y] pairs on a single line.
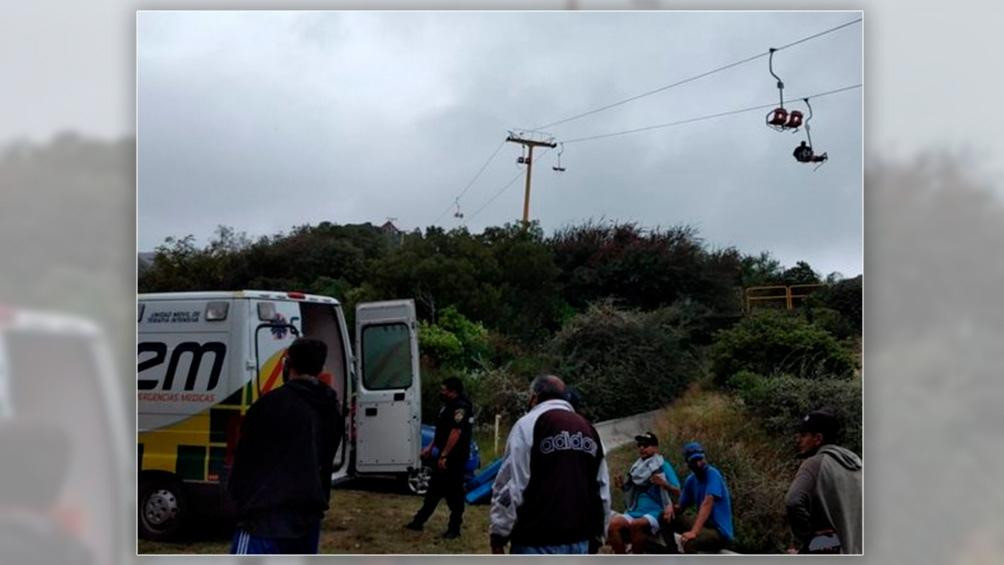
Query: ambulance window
[[217, 311], [386, 356], [266, 311]]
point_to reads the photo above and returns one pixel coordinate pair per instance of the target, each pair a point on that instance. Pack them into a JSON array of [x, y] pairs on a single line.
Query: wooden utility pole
[[528, 161]]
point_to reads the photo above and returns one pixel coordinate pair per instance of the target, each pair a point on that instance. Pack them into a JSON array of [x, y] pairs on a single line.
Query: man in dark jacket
[[448, 454], [281, 478], [824, 501]]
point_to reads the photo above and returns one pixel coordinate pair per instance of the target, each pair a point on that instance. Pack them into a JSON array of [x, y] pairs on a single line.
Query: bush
[[780, 401], [454, 341], [498, 391], [832, 321], [621, 362], [439, 347], [694, 323], [473, 337], [769, 342], [843, 298]]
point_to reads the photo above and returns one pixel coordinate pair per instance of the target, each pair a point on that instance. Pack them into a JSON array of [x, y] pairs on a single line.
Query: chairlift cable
[[707, 117], [698, 76], [504, 188], [471, 183]]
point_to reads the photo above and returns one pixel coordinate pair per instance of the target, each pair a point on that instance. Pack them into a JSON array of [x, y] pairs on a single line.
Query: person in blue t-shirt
[[647, 486], [705, 489]]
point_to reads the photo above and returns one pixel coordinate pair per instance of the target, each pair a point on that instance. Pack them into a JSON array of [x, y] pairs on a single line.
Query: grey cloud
[[262, 121]]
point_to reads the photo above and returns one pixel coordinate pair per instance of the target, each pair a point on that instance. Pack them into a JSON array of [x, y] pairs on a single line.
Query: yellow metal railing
[[788, 295]]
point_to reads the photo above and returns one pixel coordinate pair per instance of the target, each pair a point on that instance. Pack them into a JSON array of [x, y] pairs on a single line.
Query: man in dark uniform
[[450, 449]]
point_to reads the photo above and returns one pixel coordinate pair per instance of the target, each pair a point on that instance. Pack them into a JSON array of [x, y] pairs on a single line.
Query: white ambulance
[[205, 357]]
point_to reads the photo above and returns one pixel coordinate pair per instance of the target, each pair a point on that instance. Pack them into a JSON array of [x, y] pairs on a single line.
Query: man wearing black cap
[[647, 487], [705, 489], [824, 501]]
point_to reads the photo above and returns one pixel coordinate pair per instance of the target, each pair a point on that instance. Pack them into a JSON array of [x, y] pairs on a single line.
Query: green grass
[[361, 522], [484, 437], [146, 547], [366, 518]]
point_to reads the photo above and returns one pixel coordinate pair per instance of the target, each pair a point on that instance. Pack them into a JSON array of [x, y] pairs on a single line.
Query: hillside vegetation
[[631, 318]]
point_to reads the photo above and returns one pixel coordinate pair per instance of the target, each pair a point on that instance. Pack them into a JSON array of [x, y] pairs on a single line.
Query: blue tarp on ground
[[479, 489]]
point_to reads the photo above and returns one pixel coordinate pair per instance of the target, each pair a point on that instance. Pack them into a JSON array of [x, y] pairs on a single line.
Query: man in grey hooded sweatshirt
[[824, 501]]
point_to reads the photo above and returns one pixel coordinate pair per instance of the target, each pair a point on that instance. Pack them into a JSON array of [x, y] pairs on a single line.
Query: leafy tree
[[640, 268], [760, 270], [801, 273], [770, 342], [841, 303], [453, 341]]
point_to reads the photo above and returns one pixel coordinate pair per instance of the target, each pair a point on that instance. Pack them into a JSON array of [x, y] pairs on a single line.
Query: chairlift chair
[[780, 119], [557, 167], [804, 152], [523, 159]]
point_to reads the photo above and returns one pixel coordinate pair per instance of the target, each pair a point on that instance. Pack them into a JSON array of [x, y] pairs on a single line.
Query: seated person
[[804, 154], [647, 487], [705, 489]]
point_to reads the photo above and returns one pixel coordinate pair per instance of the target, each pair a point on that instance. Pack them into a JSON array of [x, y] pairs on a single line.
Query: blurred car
[[63, 456]]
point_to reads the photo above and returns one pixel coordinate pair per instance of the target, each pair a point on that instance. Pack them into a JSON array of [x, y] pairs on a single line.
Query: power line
[[708, 116], [503, 189], [470, 184], [815, 35], [699, 76]]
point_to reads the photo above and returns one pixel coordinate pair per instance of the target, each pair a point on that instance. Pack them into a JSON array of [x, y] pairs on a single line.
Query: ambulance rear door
[[388, 402]]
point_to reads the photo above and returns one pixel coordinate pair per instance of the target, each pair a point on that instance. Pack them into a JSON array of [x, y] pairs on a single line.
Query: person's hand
[[660, 479], [426, 451], [687, 536], [441, 464], [792, 550], [667, 513]]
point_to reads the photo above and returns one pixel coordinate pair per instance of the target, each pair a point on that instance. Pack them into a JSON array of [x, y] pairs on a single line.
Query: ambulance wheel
[[162, 508], [418, 481]]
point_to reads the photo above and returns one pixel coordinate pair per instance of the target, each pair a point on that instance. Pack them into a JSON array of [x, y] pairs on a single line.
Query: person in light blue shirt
[[647, 486], [705, 489]]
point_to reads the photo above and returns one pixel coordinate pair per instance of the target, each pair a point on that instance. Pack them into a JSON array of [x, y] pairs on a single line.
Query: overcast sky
[[263, 120]]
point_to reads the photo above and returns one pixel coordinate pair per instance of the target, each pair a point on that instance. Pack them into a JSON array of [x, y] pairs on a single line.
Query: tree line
[[516, 281]]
